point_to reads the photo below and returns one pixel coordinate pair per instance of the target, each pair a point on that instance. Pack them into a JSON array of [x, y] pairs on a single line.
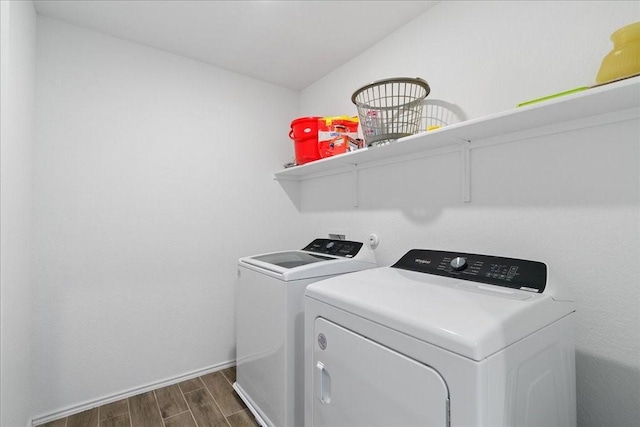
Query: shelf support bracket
[[465, 147], [355, 183]]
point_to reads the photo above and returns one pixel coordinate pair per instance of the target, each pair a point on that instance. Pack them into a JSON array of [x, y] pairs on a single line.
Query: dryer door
[[360, 383]]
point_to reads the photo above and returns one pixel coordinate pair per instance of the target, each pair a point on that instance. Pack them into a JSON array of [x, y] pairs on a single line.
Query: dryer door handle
[[323, 379]]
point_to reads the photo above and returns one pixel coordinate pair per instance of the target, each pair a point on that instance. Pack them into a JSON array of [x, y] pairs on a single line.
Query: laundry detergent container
[[304, 133], [337, 135]]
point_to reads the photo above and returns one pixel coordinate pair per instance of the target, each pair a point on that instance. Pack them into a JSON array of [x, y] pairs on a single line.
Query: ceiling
[[287, 43]]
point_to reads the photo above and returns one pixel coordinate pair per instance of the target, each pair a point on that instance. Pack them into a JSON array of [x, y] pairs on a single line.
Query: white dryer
[[440, 339], [270, 323]]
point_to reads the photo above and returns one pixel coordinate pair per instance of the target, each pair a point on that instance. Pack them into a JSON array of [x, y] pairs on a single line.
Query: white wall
[[17, 109], [153, 175], [485, 56], [570, 200]]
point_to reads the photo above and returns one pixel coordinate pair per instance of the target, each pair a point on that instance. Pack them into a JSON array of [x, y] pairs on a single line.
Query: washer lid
[[472, 319], [320, 258], [290, 259], [298, 265]]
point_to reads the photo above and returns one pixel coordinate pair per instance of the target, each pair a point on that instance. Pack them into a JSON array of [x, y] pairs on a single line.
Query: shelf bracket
[[355, 183], [465, 147]]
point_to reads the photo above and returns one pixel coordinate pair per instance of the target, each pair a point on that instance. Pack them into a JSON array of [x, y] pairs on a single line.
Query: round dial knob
[[459, 263]]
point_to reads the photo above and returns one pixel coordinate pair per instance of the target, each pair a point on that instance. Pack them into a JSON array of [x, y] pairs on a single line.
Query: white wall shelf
[[598, 105]]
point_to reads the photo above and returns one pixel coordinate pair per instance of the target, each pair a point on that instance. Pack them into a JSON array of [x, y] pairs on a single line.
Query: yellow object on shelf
[[348, 119], [624, 59]]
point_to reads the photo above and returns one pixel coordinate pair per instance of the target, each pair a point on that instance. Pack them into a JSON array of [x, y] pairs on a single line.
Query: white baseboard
[[71, 410]]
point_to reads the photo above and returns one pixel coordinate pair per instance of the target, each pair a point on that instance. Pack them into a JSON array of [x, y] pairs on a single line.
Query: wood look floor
[[206, 401]]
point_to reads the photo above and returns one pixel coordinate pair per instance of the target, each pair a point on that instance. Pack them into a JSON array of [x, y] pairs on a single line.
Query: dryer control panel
[[507, 272], [345, 248]]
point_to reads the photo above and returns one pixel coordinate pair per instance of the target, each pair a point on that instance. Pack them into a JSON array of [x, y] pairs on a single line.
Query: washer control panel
[[343, 248], [507, 272]]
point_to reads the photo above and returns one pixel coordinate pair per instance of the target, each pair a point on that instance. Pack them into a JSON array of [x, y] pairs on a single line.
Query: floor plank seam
[[227, 378], [195, 422], [216, 403], [187, 405], [180, 413], [130, 416], [237, 412], [155, 397]]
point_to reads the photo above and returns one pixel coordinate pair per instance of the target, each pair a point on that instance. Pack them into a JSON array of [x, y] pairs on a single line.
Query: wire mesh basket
[[390, 109]]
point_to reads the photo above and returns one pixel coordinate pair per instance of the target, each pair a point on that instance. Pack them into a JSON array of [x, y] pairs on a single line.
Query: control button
[[459, 263]]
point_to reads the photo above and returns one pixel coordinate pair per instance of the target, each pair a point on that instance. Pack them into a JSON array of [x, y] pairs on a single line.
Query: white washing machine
[[440, 339], [270, 323]]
